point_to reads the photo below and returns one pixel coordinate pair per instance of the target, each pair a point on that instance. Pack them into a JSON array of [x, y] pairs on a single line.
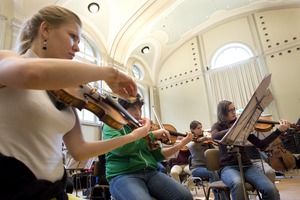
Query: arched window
[[88, 53], [230, 54], [234, 74], [138, 71]]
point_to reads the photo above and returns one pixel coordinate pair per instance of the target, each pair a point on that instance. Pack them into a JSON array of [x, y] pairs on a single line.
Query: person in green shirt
[[131, 170]]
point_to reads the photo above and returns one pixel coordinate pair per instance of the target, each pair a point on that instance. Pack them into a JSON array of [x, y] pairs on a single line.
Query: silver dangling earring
[[45, 45]]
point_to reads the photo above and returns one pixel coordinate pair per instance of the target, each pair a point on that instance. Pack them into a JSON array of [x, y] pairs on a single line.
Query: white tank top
[[31, 130]]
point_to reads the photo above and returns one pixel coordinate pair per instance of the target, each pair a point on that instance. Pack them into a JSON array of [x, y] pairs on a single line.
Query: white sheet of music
[[79, 165]]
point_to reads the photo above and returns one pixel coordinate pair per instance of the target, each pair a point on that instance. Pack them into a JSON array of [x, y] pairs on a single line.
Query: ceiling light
[[145, 50], [93, 7]]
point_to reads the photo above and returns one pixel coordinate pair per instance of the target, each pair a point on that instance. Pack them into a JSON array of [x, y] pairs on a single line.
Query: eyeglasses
[[232, 110]]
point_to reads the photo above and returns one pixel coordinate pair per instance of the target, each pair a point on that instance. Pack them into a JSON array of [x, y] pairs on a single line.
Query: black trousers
[[18, 182]]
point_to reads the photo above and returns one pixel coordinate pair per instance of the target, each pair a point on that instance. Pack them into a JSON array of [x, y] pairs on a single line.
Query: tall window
[[89, 54], [139, 74], [234, 75], [138, 71]]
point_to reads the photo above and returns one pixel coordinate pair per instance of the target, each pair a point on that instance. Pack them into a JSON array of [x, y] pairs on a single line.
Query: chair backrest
[[212, 159], [190, 161], [99, 170]]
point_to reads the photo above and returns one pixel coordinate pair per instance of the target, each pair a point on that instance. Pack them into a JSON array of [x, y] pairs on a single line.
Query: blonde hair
[[54, 15]]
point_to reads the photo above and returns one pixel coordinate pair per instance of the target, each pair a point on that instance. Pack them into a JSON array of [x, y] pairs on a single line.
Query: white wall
[[183, 100]]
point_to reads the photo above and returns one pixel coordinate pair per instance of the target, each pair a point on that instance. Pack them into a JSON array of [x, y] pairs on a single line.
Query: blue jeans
[[203, 173], [146, 184], [230, 175]]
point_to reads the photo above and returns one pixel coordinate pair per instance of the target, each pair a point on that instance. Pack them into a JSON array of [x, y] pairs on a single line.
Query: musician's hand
[[188, 138], [161, 134], [143, 130], [283, 125], [122, 85]]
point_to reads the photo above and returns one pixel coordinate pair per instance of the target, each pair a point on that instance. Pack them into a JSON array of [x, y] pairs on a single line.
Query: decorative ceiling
[[122, 28]]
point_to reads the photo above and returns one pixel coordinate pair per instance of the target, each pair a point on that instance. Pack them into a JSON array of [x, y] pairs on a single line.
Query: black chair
[[101, 190]]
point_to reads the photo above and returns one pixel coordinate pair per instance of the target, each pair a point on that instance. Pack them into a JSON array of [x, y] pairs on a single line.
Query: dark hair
[[194, 124], [54, 15], [126, 104], [222, 111]]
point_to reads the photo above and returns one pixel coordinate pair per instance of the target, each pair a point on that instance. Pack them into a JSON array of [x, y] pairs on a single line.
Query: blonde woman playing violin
[[32, 128]]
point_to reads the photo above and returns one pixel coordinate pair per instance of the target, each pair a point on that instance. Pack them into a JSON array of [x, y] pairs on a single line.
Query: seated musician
[[197, 148], [180, 163], [131, 170], [230, 172]]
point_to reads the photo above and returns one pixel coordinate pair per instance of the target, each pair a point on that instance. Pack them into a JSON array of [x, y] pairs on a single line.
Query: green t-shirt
[[130, 158]]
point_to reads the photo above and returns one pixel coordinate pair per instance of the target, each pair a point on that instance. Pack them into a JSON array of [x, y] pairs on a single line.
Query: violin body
[[280, 159], [172, 130], [84, 97], [204, 140]]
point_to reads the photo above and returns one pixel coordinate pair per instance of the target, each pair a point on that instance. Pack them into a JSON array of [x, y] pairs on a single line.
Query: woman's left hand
[[283, 125], [161, 134]]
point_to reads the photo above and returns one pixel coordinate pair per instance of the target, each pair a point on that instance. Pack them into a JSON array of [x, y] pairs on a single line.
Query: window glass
[[88, 53], [137, 71], [229, 54]]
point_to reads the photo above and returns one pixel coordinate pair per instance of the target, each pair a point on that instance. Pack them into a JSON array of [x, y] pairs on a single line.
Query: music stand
[[243, 126], [72, 164]]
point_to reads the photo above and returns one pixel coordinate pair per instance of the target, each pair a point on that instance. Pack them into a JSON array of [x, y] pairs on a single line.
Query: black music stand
[[243, 126]]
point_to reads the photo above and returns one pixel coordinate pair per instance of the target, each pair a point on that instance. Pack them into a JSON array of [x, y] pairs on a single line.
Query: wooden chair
[[212, 158]]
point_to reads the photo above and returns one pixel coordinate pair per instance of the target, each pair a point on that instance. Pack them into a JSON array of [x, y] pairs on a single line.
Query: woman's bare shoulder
[[8, 53]]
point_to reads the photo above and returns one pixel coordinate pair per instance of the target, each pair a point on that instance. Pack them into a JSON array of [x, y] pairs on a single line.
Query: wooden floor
[[288, 186]]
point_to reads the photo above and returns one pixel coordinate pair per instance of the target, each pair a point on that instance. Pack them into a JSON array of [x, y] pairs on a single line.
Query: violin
[[171, 129], [204, 140], [264, 124], [103, 106]]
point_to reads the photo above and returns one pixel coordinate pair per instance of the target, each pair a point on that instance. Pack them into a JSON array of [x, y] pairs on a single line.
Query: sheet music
[[243, 126], [72, 164]]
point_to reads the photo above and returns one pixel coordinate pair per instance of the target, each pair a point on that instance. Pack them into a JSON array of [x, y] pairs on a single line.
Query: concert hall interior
[[185, 57]]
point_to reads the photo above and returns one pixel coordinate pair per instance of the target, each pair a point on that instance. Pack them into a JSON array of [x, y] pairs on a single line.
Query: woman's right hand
[[142, 131], [122, 85]]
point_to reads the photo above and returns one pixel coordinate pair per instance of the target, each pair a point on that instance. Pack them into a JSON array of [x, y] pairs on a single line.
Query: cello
[[280, 159]]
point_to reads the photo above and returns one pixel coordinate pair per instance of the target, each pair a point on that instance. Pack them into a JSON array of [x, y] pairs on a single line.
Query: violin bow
[[157, 118]]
